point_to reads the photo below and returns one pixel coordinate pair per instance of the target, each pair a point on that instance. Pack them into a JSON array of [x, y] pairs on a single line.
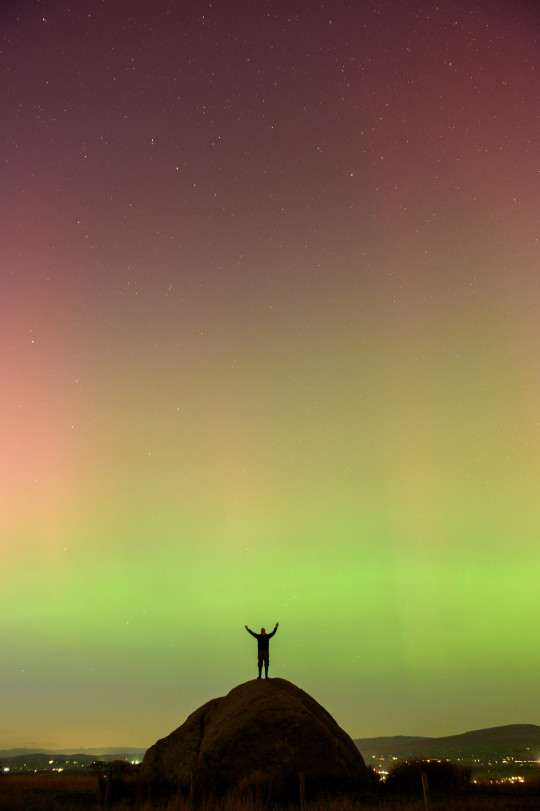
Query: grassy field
[[55, 792], [80, 793]]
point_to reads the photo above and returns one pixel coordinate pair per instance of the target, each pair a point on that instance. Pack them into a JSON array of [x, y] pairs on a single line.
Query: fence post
[[302, 779], [425, 788], [106, 801]]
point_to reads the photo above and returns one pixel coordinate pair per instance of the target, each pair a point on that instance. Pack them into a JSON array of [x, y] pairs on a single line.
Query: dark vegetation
[[118, 786], [443, 777]]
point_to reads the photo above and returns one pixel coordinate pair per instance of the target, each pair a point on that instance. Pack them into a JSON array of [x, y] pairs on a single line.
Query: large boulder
[[264, 732]]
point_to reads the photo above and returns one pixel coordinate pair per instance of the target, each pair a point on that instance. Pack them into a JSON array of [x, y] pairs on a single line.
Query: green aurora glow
[[301, 386]]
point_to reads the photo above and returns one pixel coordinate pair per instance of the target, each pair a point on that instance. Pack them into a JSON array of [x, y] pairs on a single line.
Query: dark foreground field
[[80, 793]]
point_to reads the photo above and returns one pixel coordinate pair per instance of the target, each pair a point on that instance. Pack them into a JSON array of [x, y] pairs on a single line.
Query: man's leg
[[259, 664], [266, 663]]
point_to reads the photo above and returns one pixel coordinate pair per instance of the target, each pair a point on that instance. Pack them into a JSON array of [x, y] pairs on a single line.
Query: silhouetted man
[[263, 648]]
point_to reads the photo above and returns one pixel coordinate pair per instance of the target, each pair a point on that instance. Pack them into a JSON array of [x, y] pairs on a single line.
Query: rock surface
[[263, 731]]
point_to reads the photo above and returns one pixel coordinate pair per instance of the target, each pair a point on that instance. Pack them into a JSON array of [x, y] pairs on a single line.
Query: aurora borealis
[[270, 332]]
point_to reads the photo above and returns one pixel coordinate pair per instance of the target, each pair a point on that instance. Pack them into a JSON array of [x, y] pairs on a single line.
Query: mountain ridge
[[511, 741], [70, 750]]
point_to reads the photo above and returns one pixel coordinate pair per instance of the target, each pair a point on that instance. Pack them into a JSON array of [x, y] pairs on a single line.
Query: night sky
[[269, 346]]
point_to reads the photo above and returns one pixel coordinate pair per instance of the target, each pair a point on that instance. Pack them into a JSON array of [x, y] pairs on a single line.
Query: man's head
[[263, 631]]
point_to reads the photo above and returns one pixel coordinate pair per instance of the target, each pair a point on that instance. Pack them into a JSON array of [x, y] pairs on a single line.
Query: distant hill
[[393, 740], [515, 742], [70, 751], [30, 760]]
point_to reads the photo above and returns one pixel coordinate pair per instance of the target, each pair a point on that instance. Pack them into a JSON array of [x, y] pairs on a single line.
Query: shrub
[[444, 777]]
